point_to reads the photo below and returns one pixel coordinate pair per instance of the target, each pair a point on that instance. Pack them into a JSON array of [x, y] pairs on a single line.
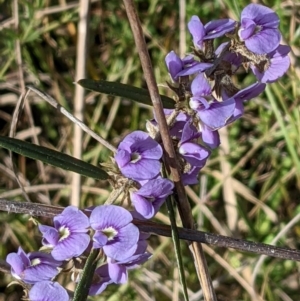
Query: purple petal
[[48, 291], [191, 177], [50, 235], [24, 257], [249, 92], [109, 215], [137, 260], [144, 169], [196, 68], [122, 157], [194, 154], [160, 187], [122, 248], [261, 15], [209, 137], [189, 133], [142, 206], [264, 41], [200, 86], [279, 64], [150, 149], [238, 112], [218, 113], [74, 219], [247, 29], [72, 246], [117, 273], [99, 240], [45, 258], [102, 280], [174, 64], [39, 272], [197, 102], [197, 31], [218, 28], [16, 263]]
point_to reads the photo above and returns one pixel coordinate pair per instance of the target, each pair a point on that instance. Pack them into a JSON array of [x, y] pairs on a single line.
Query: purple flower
[[247, 93], [48, 291], [190, 177], [101, 280], [32, 267], [211, 30], [69, 236], [138, 156], [209, 137], [259, 29], [193, 153], [149, 198], [114, 231], [278, 64], [118, 269], [183, 67], [213, 114], [177, 125]]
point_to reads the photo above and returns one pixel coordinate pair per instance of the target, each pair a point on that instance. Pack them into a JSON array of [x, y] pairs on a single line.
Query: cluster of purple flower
[[200, 111], [120, 240], [138, 158], [207, 98]]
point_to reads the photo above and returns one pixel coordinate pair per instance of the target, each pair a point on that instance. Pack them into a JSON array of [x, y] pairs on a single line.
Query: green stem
[[82, 289]]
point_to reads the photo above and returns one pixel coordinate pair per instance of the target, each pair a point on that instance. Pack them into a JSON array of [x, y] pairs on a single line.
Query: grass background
[[249, 188]]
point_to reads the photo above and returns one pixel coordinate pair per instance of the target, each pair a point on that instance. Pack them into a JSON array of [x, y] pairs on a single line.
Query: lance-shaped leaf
[[126, 91], [52, 157]]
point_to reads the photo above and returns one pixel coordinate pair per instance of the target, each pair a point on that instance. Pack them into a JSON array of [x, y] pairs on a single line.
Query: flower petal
[[144, 169], [123, 247], [50, 235], [264, 41], [106, 216], [200, 86], [48, 291], [194, 154], [118, 273], [209, 137], [218, 113], [174, 64], [74, 219], [142, 205], [197, 31], [261, 15], [72, 246]]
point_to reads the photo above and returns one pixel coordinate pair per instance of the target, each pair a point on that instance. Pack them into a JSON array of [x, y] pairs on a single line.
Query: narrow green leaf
[[117, 89], [82, 289], [52, 157]]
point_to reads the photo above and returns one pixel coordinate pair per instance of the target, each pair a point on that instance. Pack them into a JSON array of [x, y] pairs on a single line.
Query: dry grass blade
[[61, 109], [81, 59]]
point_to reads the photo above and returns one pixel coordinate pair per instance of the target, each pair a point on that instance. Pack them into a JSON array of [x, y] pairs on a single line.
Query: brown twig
[[36, 209], [183, 204]]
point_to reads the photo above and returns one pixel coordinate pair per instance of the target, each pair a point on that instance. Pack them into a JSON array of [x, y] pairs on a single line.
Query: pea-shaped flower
[[115, 233], [68, 238], [149, 198], [32, 267], [138, 156], [259, 28]]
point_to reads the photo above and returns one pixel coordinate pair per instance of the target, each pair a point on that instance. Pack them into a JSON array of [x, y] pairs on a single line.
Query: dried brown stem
[[183, 204], [36, 209]]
